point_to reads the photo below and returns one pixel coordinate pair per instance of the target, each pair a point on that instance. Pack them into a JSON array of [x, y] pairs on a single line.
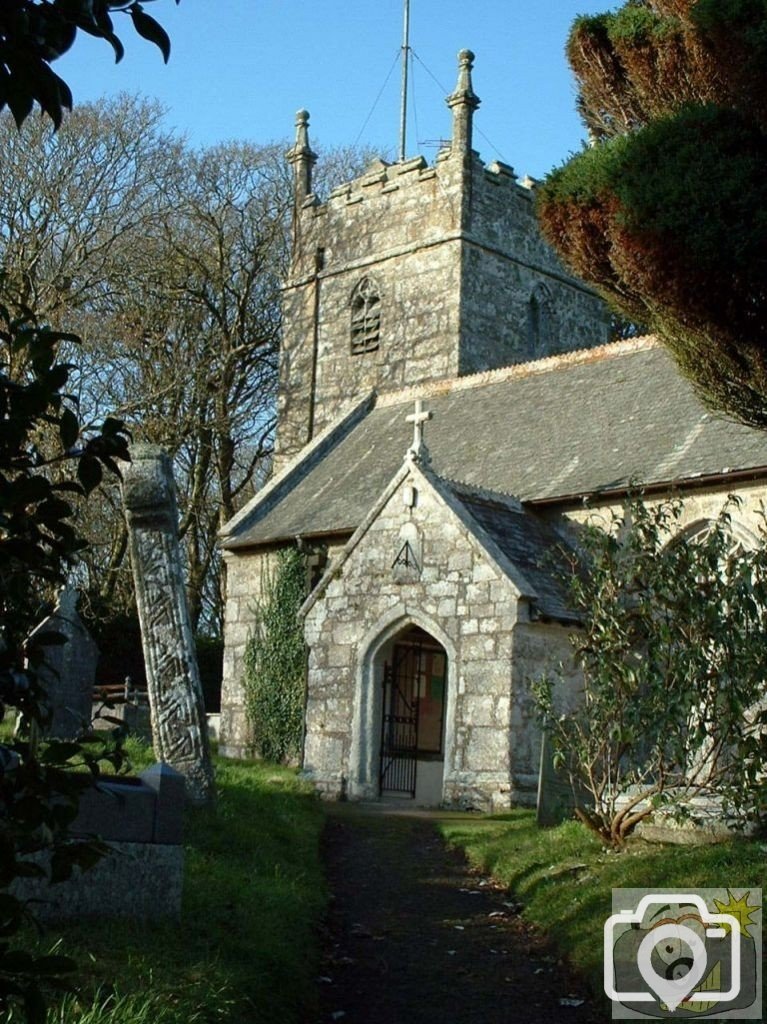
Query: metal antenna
[[403, 106]]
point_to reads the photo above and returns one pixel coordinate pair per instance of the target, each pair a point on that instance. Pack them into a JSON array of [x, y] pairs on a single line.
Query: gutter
[[694, 482]]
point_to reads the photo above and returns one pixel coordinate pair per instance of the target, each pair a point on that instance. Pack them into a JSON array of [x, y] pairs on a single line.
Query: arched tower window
[[540, 322], [366, 317]]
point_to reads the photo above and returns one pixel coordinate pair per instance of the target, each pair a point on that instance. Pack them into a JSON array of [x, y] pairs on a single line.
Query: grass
[[246, 947], [564, 876], [112, 1008]]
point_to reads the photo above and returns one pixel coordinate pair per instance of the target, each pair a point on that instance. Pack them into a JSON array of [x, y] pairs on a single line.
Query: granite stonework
[[142, 876], [700, 508], [179, 728], [245, 581], [134, 881], [465, 280], [536, 422], [465, 597]]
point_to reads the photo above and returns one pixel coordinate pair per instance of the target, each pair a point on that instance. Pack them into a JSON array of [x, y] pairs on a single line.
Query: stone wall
[[538, 648], [505, 262], [246, 573], [398, 226], [459, 596], [700, 506], [455, 254]]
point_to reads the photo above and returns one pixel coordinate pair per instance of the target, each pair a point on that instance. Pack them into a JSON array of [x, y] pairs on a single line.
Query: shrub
[[672, 655]]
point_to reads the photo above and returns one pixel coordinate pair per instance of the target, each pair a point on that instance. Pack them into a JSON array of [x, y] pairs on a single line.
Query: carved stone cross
[[179, 726], [418, 418]]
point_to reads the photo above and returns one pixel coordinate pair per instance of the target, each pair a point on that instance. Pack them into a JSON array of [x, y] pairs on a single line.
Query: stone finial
[[463, 102], [302, 157]]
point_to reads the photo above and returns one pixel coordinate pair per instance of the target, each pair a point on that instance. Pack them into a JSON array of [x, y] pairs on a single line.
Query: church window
[[540, 328], [741, 539], [366, 317]]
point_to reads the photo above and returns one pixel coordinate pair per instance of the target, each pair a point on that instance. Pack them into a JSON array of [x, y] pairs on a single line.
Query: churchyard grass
[[246, 947], [563, 876]]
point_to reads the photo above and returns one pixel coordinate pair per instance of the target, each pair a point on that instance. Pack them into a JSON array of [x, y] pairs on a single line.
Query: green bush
[[671, 648]]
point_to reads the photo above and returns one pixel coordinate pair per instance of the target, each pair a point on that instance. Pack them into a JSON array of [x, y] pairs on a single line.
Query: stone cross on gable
[[418, 418]]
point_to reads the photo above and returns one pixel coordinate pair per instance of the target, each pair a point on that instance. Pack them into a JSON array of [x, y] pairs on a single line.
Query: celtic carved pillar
[[179, 727]]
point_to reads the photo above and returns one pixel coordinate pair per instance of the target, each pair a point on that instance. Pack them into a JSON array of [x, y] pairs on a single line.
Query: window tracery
[[365, 317]]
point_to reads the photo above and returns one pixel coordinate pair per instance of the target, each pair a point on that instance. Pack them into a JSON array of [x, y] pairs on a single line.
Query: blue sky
[[241, 68]]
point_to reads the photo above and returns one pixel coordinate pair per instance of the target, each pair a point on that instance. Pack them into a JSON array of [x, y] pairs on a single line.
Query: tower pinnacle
[[463, 102], [302, 157]]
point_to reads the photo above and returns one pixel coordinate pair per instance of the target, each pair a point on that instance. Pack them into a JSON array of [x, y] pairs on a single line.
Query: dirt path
[[414, 937]]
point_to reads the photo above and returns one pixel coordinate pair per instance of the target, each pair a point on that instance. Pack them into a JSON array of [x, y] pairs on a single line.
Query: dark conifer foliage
[[666, 213]]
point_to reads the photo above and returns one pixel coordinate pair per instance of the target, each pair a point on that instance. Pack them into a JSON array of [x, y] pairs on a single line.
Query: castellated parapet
[[412, 273]]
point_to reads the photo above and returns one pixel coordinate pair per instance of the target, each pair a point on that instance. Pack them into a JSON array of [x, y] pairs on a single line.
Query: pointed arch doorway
[[413, 706]]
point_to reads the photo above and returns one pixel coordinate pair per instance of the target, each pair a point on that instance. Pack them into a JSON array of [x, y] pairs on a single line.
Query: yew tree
[[665, 214]]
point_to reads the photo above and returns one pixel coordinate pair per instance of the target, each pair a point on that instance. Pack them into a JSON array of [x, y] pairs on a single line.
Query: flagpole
[[403, 105]]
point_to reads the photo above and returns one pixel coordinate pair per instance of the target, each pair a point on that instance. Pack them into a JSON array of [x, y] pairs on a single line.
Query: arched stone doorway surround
[[364, 761]]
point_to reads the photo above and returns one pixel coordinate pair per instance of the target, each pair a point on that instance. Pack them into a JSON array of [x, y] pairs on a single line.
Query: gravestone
[[140, 820], [68, 670], [179, 728], [556, 801]]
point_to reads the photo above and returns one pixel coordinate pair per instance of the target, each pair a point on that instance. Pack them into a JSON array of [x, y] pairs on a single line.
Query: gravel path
[[415, 937]]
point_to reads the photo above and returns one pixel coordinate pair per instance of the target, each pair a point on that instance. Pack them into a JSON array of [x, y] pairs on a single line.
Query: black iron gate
[[399, 727]]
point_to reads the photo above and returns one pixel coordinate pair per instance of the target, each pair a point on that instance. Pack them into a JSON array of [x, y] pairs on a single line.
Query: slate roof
[[530, 544], [566, 426]]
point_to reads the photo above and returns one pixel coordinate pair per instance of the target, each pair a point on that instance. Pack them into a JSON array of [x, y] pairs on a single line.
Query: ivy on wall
[[275, 661]]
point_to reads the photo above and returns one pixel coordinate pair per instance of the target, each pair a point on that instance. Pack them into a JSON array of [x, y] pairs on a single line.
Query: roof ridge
[[533, 368], [464, 491]]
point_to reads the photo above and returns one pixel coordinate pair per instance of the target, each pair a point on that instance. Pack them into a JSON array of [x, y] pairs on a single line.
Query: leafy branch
[[34, 33], [671, 653]]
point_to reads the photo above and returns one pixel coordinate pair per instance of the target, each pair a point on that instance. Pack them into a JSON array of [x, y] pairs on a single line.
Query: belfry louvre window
[[540, 322], [366, 317]]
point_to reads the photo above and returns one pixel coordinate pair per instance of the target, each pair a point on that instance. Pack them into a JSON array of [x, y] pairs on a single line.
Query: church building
[[448, 406]]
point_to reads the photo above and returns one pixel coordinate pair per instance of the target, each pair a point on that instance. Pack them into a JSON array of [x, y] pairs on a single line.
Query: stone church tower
[[414, 273]]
